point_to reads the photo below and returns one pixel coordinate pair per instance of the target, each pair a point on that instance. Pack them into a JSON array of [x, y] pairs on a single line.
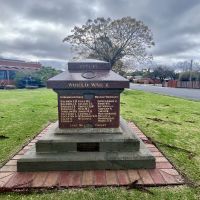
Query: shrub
[[38, 78], [185, 76]]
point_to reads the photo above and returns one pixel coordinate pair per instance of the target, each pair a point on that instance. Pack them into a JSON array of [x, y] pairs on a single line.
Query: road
[[193, 94]]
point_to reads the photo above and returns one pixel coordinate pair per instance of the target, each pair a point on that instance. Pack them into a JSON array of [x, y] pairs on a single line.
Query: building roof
[[17, 65]]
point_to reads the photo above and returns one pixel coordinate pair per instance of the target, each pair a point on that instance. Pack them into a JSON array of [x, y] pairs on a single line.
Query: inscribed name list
[[98, 112]]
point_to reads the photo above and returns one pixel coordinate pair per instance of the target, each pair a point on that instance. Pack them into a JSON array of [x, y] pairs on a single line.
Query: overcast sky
[[34, 29]]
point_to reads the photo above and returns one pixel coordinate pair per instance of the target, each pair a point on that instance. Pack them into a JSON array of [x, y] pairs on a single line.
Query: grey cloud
[[43, 45], [176, 45], [170, 21], [59, 11]]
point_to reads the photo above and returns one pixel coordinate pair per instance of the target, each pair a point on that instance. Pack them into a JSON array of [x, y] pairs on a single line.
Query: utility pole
[[8, 77], [191, 73]]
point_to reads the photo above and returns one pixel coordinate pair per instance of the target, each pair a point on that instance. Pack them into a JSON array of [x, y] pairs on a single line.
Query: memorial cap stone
[[88, 75]]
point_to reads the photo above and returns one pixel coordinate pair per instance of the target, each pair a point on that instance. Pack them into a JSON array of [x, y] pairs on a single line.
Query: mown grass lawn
[[167, 120], [23, 114]]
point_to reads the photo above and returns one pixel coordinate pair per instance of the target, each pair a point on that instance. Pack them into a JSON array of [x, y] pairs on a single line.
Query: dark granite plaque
[[98, 111]]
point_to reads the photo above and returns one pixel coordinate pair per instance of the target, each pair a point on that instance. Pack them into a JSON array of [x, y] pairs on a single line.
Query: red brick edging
[[164, 174]]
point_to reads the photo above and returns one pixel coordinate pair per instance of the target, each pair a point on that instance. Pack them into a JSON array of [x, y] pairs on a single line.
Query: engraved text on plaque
[[100, 111]]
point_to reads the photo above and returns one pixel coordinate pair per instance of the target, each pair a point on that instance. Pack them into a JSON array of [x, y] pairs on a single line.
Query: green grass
[[177, 193], [23, 114], [168, 120], [171, 121]]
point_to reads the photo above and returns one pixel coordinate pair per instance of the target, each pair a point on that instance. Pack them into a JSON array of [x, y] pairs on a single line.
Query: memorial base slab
[[105, 148]]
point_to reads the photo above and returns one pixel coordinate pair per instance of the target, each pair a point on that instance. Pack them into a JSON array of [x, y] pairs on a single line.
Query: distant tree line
[[161, 73], [189, 76]]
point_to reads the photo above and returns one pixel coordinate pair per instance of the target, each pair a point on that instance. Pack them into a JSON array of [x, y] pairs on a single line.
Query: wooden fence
[[183, 84]]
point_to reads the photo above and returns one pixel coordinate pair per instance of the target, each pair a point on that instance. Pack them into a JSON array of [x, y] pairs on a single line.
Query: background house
[[8, 68]]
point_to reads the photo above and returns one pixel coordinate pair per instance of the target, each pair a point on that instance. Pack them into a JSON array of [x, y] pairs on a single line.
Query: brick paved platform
[[164, 174]]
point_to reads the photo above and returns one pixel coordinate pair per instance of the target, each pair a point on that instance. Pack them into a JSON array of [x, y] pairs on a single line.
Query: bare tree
[[162, 72], [111, 40], [186, 66]]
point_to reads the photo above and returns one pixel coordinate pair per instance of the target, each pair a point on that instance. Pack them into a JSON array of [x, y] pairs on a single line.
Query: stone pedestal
[[115, 148], [90, 133]]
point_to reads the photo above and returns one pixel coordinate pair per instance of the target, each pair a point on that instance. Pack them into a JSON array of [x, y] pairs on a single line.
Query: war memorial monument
[[89, 134]]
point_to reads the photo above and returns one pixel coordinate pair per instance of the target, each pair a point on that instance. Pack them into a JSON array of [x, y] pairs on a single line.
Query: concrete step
[[33, 161], [91, 149], [103, 146], [98, 139]]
